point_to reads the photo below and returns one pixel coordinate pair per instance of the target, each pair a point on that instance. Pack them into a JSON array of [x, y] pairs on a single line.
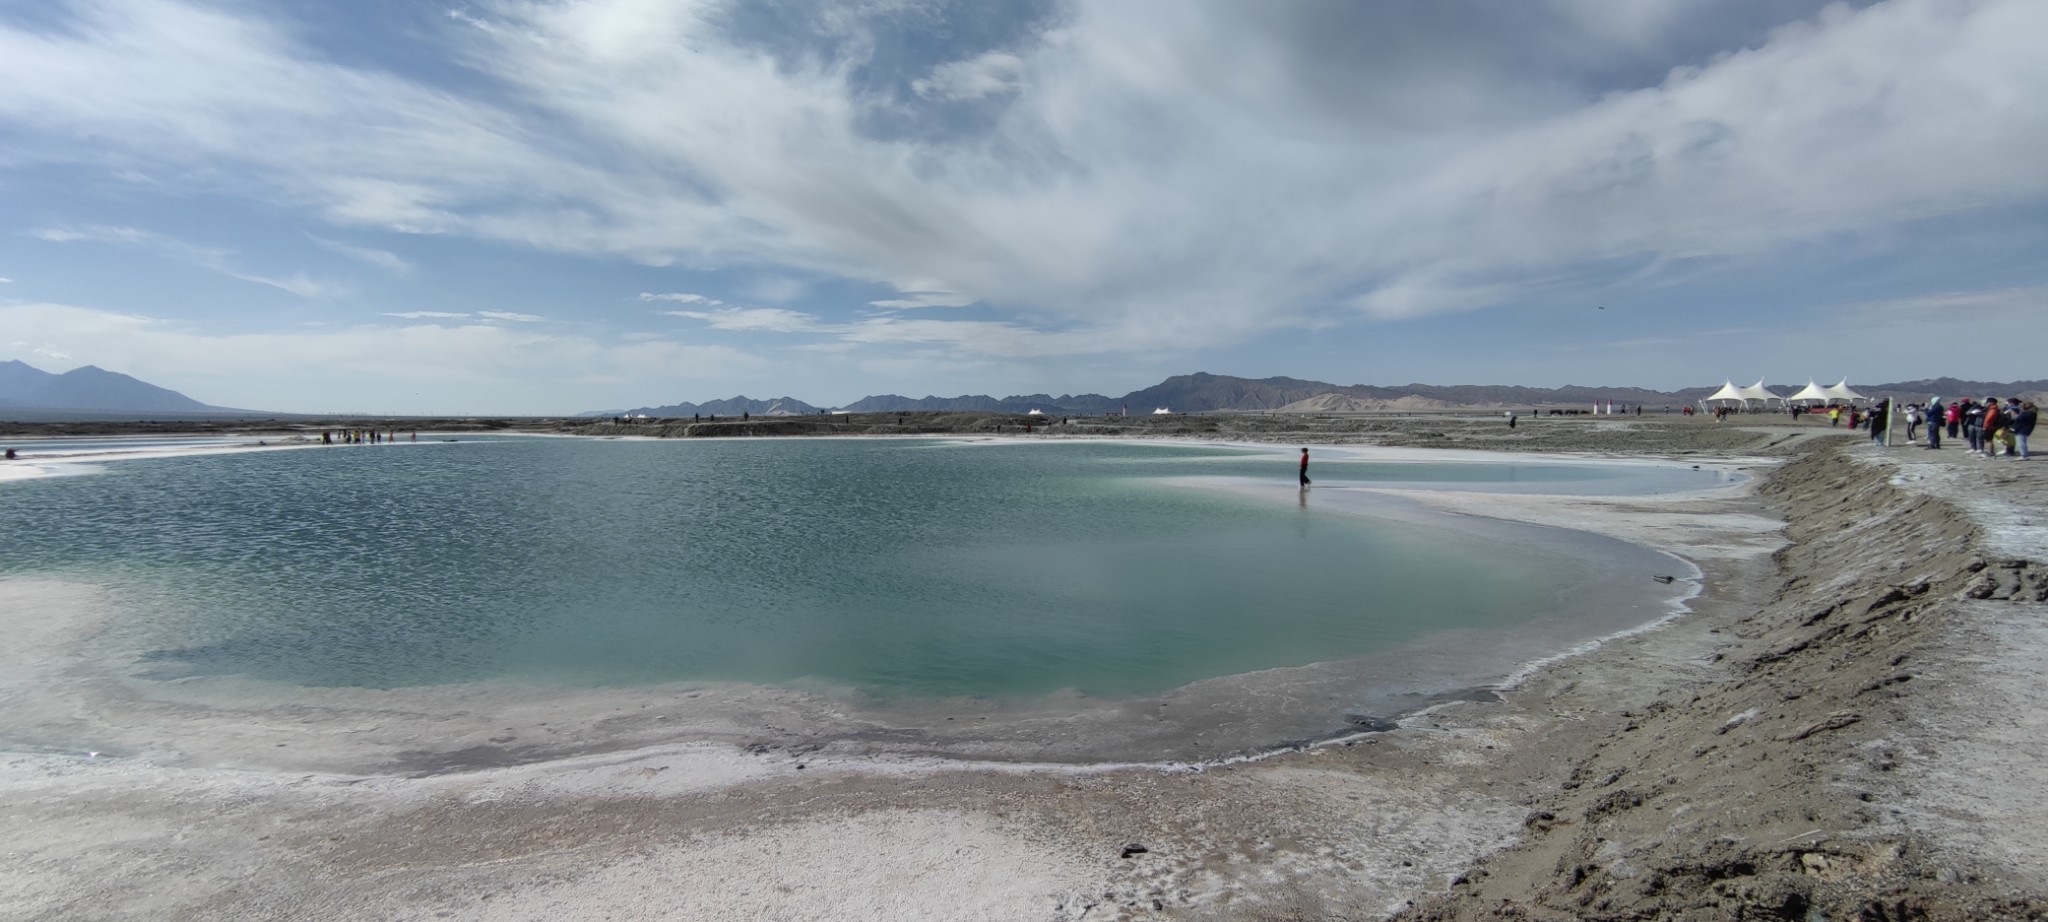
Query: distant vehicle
[[1162, 411]]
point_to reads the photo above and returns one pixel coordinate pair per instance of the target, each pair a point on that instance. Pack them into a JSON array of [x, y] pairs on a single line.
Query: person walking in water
[[1304, 468]]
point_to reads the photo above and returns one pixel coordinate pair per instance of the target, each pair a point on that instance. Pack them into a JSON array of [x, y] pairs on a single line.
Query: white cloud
[[776, 289], [991, 74], [6, 281], [427, 315], [1996, 307], [996, 338], [766, 319], [94, 235], [681, 298], [511, 316], [212, 259], [983, 337], [464, 17], [925, 299], [1178, 173], [382, 259]]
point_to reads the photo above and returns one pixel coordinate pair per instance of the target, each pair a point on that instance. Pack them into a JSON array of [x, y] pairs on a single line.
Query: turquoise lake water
[[895, 568]]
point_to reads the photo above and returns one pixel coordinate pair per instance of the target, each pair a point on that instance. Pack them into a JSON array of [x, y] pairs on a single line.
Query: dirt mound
[[1773, 790]]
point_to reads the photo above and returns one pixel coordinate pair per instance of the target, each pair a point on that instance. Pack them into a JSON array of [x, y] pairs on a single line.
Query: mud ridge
[[1772, 790]]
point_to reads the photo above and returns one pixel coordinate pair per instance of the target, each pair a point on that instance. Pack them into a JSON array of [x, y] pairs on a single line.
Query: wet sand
[[1747, 757]]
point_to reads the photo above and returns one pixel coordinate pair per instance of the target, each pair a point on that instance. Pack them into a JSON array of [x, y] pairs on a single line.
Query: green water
[[895, 568]]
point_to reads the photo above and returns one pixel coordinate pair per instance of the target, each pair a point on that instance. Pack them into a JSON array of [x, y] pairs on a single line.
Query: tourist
[[2009, 416], [1912, 422], [1935, 414], [1304, 468], [1834, 416], [1880, 419], [2022, 426], [1955, 419], [1973, 425]]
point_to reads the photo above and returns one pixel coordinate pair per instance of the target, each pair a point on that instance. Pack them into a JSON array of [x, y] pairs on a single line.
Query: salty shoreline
[[1337, 831], [192, 719]]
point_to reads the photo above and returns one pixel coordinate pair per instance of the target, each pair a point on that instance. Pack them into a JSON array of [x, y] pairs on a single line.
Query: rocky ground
[[1848, 725]]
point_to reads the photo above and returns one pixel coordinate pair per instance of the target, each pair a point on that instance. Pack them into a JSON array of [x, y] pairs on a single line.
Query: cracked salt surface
[[1980, 766], [1974, 485]]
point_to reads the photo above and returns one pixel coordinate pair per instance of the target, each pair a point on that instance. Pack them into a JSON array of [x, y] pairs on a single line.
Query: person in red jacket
[[1304, 468]]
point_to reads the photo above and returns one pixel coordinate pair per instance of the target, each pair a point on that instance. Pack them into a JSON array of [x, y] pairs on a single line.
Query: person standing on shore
[[2010, 416], [1993, 422], [1935, 414], [1304, 468], [2023, 426]]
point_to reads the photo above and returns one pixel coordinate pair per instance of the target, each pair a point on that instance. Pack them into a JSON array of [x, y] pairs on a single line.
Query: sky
[[555, 206]]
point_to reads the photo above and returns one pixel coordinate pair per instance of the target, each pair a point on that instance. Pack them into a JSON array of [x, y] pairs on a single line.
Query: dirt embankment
[[1780, 788]]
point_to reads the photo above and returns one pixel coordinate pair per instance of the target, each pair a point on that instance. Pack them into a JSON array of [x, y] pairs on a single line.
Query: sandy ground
[[1846, 724]]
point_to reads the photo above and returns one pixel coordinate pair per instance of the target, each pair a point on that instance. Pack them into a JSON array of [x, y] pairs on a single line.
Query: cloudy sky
[[562, 205]]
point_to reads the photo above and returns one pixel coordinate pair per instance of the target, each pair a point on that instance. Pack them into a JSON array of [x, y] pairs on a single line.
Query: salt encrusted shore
[[1847, 725]]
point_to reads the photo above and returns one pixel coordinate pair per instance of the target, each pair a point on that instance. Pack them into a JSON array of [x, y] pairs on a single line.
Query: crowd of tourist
[[1990, 427]]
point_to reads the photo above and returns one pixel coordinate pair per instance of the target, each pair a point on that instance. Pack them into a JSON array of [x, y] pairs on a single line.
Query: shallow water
[[31, 449], [897, 571]]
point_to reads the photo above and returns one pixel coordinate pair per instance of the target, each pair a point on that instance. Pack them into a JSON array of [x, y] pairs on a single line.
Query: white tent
[[1811, 393], [1841, 391], [1744, 395], [1728, 391], [1758, 391]]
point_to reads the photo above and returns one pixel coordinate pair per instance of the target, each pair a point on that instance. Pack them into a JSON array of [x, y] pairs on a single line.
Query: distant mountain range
[[1201, 392], [27, 392]]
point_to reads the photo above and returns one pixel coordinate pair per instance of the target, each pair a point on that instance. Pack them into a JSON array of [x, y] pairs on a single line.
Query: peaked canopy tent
[[1755, 393], [1841, 391], [1811, 393]]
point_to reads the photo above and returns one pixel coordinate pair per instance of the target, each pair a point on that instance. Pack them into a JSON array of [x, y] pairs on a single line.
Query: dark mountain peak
[[92, 389]]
